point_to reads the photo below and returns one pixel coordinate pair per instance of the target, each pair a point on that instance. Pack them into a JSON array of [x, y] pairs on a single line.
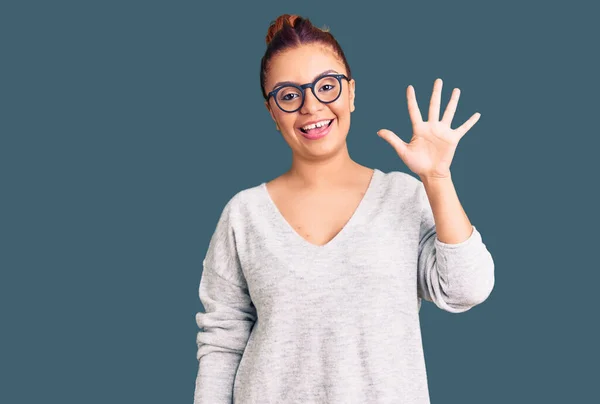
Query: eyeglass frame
[[303, 87]]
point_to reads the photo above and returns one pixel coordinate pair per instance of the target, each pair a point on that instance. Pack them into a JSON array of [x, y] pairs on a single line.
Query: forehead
[[302, 64]]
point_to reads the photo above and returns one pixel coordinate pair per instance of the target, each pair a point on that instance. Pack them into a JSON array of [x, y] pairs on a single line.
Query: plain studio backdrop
[[125, 126]]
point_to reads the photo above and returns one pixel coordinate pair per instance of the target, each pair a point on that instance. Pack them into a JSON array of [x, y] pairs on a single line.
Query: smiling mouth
[[326, 126]]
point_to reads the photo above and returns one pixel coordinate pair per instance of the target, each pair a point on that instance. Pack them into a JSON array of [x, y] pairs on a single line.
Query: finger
[[413, 107], [398, 144], [465, 127], [451, 108], [434, 104]]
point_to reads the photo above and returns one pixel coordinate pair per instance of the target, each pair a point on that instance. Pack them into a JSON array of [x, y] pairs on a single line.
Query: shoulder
[[402, 184], [403, 177], [239, 205]]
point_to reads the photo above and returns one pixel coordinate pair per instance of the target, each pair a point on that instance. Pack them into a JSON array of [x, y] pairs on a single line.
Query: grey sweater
[[287, 321]]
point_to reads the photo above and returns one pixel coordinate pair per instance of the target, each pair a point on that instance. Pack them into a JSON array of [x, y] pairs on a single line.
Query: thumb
[[398, 144]]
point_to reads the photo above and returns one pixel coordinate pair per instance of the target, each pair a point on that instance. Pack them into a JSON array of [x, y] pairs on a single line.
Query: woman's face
[[301, 65]]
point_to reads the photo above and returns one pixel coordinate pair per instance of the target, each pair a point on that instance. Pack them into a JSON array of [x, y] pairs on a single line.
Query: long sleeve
[[228, 319], [455, 277]]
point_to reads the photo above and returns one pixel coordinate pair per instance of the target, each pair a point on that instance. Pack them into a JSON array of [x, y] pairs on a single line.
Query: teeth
[[316, 125]]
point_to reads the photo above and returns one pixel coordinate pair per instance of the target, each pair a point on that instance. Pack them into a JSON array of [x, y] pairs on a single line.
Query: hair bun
[[277, 25]]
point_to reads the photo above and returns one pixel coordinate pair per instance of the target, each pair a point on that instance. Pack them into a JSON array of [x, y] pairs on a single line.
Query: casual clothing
[[287, 321]]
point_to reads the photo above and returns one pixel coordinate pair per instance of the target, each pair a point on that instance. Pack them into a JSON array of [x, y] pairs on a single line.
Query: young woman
[[313, 281]]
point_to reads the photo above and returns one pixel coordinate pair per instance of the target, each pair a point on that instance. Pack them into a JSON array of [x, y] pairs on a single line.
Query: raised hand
[[431, 149]]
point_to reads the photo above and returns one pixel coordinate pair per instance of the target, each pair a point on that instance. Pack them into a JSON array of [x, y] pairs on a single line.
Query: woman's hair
[[290, 31]]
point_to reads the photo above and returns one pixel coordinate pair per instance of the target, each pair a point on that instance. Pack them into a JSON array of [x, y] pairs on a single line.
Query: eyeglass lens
[[327, 89]]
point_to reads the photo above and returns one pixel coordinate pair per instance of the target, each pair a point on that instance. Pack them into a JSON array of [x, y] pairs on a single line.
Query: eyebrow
[[282, 83]]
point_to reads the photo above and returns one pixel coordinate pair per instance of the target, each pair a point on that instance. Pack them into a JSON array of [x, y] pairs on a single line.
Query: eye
[[288, 94], [328, 85]]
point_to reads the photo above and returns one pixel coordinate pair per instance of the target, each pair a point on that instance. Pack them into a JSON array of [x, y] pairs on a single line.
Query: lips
[[318, 134], [329, 124]]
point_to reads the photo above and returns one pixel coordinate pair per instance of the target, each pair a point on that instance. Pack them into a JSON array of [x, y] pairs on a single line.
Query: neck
[[323, 173]]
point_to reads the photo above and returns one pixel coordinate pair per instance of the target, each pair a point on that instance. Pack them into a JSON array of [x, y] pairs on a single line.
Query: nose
[[311, 103]]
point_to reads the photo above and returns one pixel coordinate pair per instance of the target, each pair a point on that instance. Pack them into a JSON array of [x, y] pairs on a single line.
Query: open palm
[[431, 149]]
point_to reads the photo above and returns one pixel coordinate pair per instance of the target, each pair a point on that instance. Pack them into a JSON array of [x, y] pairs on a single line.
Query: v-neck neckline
[[285, 226]]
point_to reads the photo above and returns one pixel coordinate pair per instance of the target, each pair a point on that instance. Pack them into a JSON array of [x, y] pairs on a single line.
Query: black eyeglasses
[[290, 97]]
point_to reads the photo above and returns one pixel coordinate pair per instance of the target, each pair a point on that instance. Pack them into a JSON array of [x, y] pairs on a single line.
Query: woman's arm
[[458, 273], [228, 318], [451, 221]]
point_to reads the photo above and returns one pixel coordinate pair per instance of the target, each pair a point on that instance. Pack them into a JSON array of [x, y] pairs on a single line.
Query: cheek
[[283, 119], [288, 122], [341, 109]]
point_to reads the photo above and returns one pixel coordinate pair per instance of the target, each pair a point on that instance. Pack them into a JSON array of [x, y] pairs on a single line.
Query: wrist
[[427, 179]]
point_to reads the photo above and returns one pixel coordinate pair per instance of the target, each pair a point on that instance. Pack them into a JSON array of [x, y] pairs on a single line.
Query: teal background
[[119, 149]]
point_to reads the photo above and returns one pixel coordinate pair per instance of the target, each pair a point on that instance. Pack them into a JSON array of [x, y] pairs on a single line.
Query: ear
[[351, 87], [270, 110]]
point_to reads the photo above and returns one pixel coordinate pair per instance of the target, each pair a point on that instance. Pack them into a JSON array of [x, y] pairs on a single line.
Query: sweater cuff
[[456, 259], [474, 238]]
